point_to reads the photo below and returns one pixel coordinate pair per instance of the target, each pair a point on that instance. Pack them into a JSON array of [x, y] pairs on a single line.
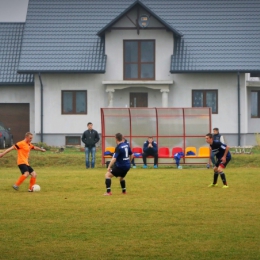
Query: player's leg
[[215, 175], [144, 159], [87, 157], [123, 185], [221, 168], [33, 178], [108, 177], [122, 180], [93, 156], [25, 173]]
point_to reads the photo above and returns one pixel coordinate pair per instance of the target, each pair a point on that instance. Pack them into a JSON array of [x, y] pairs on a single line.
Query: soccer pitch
[[166, 214]]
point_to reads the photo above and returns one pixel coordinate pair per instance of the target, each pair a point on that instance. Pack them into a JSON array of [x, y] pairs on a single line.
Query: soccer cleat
[[155, 166], [16, 187], [225, 187], [29, 190], [134, 167], [145, 166], [124, 193], [107, 194], [213, 185]]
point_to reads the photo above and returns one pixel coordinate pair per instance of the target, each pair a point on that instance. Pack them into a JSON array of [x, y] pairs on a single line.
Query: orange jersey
[[23, 150]]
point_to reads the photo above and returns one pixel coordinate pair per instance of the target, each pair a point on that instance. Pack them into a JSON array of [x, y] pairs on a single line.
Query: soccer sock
[[122, 183], [215, 178], [20, 180], [108, 185], [223, 177], [32, 182]]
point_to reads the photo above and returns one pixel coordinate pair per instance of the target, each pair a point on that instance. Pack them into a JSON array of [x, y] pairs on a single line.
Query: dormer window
[[139, 60]]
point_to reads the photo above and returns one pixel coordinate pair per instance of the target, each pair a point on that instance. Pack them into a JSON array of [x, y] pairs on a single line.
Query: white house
[[74, 57]]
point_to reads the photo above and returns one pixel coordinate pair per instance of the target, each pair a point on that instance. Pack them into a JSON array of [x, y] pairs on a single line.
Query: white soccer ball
[[36, 187]]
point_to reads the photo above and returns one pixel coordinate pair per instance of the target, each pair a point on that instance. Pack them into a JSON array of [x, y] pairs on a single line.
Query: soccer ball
[[36, 187]]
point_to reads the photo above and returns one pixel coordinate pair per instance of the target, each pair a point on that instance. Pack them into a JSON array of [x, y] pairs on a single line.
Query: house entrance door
[[138, 99]]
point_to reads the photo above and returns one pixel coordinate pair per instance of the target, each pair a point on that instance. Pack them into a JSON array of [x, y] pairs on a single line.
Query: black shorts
[[119, 172], [25, 168], [223, 165]]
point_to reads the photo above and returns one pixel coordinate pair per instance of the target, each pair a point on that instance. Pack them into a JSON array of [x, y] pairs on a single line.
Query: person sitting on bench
[[150, 149]]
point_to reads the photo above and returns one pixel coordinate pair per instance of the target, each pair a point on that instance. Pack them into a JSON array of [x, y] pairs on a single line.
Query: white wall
[[226, 84], [53, 120], [19, 94]]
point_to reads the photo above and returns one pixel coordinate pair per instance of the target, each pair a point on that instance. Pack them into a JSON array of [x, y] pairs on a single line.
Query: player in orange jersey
[[23, 149]]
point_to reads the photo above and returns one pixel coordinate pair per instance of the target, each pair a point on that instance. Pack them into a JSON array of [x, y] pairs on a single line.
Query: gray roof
[[10, 45], [216, 35]]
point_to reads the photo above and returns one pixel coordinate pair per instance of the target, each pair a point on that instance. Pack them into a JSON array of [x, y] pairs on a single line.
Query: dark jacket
[[146, 148], [90, 138]]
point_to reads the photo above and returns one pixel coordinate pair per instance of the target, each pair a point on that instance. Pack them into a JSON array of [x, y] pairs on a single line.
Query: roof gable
[[138, 4]]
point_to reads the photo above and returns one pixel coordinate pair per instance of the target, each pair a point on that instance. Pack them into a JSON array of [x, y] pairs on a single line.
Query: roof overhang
[[61, 71], [212, 71]]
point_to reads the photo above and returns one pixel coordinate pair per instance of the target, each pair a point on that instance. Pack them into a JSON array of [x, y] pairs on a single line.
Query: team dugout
[[174, 129]]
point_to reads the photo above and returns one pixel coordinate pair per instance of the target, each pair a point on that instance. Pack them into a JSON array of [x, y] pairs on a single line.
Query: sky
[[13, 10]]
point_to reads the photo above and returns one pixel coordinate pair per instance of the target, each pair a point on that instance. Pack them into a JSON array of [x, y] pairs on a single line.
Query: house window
[[255, 104], [72, 140], [74, 102], [139, 60], [205, 98]]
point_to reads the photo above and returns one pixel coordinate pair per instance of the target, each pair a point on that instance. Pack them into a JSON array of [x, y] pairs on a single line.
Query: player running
[[121, 164], [223, 157], [23, 149]]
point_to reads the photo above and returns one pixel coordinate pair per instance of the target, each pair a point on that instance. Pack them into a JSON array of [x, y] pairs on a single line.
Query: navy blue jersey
[[122, 153], [219, 149]]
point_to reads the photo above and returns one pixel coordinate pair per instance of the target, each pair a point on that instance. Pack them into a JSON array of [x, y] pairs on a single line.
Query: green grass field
[[167, 213]]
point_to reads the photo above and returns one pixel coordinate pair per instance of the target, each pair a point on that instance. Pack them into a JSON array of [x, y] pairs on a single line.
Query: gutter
[[40, 78], [238, 109]]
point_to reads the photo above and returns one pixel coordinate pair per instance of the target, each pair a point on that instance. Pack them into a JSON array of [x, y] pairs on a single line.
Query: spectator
[[150, 149], [90, 137]]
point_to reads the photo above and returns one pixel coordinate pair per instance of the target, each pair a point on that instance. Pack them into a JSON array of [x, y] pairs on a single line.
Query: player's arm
[[7, 151], [223, 159], [131, 157], [111, 163], [36, 148]]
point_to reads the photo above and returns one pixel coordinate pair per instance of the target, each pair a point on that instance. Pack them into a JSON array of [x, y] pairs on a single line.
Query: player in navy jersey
[[223, 157], [121, 162]]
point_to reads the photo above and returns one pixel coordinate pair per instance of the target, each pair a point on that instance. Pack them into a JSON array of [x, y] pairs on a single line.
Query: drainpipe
[[238, 107], [40, 78]]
